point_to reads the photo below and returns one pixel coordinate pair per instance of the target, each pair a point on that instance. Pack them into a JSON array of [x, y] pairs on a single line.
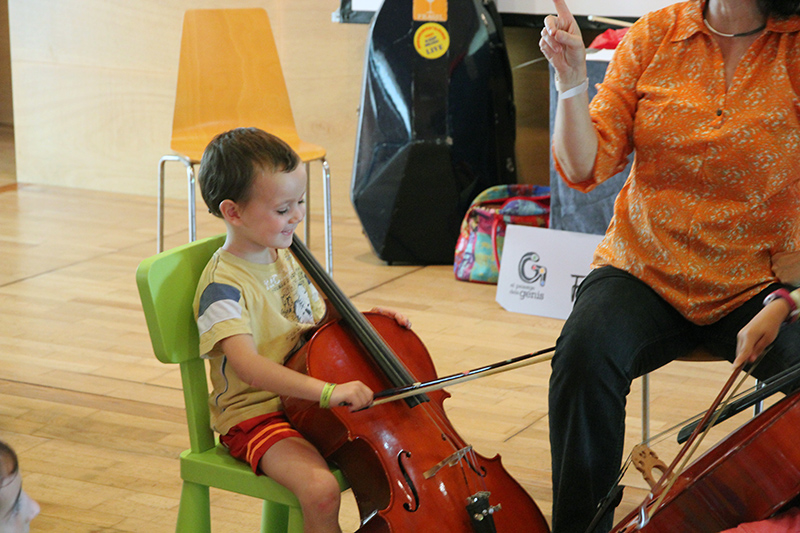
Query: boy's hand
[[354, 394], [399, 318]]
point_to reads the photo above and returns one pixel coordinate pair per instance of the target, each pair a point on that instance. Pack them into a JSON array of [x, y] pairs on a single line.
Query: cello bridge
[[452, 460]]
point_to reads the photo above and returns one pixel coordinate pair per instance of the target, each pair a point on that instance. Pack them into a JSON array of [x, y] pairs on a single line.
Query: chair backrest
[[167, 284], [229, 76]]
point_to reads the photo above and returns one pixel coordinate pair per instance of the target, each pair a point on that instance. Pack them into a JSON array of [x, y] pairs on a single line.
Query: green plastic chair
[[167, 283]]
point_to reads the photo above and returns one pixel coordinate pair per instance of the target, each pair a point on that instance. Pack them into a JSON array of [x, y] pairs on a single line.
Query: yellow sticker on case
[[431, 40]]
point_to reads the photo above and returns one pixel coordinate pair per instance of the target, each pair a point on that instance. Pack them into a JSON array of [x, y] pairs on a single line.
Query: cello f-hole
[[480, 472], [407, 506]]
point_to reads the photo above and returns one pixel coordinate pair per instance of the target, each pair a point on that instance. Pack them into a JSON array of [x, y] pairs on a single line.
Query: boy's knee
[[321, 495]]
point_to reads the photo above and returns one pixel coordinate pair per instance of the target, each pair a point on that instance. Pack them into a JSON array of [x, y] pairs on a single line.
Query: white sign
[[541, 268], [608, 8]]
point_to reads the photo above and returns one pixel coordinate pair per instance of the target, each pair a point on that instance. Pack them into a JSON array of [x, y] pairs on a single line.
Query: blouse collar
[[691, 22]]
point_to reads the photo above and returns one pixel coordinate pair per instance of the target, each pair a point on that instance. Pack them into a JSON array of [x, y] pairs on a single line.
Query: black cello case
[[433, 131]]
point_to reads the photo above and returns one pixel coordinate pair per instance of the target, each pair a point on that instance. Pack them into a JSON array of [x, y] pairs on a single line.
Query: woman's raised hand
[[562, 45]]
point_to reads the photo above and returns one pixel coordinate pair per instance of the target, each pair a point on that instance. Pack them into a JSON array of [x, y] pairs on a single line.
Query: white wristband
[[575, 91]]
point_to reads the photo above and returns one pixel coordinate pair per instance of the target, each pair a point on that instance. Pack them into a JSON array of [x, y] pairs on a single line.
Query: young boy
[[254, 307], [17, 509]]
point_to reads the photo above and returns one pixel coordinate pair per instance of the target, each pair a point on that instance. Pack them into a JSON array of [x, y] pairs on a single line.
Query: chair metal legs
[[757, 408], [646, 408], [189, 164], [326, 186], [192, 208]]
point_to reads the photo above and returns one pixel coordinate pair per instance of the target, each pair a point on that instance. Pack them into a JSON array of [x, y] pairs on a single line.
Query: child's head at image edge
[[17, 509]]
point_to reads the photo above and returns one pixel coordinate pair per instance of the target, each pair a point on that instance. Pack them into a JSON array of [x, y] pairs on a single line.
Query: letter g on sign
[[530, 271]]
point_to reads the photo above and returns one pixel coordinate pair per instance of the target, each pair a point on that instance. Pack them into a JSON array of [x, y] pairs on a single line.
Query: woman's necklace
[[745, 34]]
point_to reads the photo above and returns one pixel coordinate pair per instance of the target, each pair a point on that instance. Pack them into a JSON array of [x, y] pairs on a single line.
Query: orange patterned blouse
[[713, 191]]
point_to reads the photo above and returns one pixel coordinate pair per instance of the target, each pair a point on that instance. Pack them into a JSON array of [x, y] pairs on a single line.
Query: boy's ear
[[230, 211]]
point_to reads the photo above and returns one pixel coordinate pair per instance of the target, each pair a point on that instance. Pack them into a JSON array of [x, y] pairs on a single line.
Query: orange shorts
[[248, 441]]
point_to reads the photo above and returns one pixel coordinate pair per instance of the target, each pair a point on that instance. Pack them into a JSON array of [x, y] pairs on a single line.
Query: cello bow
[[748, 476], [398, 393]]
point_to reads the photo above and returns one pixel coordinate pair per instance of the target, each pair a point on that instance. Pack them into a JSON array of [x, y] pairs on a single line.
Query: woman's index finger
[[562, 10]]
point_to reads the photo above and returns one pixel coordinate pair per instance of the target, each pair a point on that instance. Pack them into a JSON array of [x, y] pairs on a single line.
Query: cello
[[407, 466], [749, 476]]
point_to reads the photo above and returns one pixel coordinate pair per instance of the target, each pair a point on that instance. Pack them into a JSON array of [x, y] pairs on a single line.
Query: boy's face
[[275, 208], [17, 509]]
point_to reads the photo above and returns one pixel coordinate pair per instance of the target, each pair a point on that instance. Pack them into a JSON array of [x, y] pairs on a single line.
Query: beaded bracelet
[[784, 295], [325, 397]]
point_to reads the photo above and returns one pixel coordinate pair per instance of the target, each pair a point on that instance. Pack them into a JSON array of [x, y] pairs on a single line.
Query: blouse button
[[719, 112]]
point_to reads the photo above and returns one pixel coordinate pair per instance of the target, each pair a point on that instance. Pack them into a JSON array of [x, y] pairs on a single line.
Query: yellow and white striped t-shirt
[[274, 303]]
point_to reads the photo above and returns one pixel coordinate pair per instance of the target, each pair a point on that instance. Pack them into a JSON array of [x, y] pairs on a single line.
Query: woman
[[705, 93]]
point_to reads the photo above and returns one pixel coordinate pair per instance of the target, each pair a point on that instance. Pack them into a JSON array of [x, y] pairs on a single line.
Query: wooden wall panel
[[94, 88], [94, 84]]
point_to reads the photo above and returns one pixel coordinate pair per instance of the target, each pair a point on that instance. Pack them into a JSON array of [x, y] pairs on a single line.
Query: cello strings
[[393, 368], [746, 398], [660, 437], [692, 444], [438, 418]]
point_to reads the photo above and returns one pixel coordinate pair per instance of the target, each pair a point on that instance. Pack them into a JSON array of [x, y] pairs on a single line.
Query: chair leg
[[278, 518], [326, 190], [274, 518], [759, 406], [646, 408], [306, 225], [326, 185], [192, 193], [187, 163], [295, 520], [194, 513]]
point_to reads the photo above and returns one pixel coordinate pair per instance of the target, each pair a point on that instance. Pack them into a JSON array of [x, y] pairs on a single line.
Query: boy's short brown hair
[[231, 160]]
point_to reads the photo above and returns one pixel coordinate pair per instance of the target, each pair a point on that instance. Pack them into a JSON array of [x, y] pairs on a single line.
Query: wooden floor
[[99, 423]]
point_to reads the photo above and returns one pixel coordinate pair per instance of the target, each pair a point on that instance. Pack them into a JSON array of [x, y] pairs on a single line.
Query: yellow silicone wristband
[[325, 397]]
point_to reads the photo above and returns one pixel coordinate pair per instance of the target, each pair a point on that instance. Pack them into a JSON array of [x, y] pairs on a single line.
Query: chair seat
[[216, 468], [699, 354], [193, 147]]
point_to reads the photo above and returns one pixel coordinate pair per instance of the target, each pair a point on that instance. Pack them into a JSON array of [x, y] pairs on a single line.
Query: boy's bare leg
[[298, 466]]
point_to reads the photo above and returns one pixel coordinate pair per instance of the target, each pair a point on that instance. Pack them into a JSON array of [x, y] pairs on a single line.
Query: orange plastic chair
[[230, 76]]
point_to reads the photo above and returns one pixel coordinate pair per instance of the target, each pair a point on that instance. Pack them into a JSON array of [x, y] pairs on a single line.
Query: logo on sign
[[530, 271]]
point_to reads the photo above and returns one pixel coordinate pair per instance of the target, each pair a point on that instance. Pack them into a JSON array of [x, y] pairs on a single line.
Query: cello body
[[749, 476], [408, 468]]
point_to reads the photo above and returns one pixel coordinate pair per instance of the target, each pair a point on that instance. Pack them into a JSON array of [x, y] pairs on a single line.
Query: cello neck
[[394, 370]]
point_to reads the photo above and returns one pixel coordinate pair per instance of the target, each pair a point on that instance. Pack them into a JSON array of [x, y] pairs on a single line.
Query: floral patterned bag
[[480, 242]]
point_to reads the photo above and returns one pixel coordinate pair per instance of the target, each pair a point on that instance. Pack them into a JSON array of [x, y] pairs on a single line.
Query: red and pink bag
[[480, 242]]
